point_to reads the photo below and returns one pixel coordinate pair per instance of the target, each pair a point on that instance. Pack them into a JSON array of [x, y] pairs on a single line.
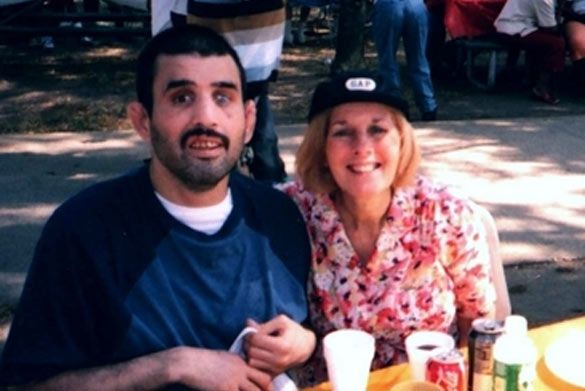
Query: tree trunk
[[349, 47]]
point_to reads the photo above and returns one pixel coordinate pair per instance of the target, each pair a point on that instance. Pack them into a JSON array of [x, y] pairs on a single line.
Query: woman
[[392, 252]]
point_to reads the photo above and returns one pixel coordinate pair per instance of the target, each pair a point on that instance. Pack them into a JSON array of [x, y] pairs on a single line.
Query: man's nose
[[205, 112]]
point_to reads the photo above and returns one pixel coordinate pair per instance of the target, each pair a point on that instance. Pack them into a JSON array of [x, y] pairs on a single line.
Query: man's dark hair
[[178, 40]]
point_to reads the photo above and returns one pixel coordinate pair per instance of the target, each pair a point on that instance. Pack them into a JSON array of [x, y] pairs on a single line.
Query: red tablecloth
[[471, 18]]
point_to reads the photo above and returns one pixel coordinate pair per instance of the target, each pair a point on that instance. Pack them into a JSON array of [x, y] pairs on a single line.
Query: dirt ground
[[79, 87]]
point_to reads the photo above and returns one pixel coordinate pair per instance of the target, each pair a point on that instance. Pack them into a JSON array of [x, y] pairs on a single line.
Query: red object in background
[[447, 370], [471, 18]]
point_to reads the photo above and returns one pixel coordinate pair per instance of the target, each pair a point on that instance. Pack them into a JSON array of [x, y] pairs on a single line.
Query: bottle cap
[[516, 325]]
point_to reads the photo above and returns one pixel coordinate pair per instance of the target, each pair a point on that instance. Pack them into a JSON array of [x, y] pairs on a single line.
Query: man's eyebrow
[[186, 82], [178, 83], [226, 84]]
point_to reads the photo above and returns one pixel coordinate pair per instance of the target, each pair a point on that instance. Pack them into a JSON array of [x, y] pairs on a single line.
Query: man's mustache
[[203, 131]]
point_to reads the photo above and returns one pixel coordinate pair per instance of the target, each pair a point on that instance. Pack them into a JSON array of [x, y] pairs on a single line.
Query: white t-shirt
[[525, 16], [208, 220]]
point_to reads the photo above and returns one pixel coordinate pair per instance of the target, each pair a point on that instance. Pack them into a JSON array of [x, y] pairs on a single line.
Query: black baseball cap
[[355, 86]]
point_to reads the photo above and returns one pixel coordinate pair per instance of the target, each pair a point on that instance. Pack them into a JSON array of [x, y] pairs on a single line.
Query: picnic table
[[471, 18], [33, 18], [384, 379]]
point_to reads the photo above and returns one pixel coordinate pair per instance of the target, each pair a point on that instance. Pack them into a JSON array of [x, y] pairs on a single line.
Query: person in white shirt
[[531, 25]]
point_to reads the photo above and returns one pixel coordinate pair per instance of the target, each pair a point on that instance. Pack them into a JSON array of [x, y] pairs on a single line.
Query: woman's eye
[[377, 130], [340, 133]]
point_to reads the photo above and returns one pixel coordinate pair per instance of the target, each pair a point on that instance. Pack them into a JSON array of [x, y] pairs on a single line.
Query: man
[[255, 29], [144, 281]]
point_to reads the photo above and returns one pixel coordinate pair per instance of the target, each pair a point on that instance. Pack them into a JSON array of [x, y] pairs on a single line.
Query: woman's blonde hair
[[311, 167]]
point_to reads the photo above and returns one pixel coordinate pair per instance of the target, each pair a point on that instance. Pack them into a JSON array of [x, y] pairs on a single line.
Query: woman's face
[[362, 148]]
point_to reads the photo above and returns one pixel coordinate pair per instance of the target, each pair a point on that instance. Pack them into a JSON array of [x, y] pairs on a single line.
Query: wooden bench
[[467, 51]]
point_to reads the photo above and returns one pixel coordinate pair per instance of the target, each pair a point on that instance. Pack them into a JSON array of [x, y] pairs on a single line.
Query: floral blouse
[[430, 265]]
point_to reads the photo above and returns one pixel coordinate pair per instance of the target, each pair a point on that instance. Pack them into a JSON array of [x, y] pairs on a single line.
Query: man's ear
[[250, 117], [140, 120]]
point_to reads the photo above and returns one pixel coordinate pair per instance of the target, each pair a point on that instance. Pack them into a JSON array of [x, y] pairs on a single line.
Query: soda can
[[447, 370], [483, 336]]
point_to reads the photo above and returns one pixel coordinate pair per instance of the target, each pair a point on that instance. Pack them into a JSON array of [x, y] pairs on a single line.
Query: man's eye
[[222, 99], [182, 98]]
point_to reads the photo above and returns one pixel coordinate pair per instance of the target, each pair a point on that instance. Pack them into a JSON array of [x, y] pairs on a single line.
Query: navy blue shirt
[[115, 277]]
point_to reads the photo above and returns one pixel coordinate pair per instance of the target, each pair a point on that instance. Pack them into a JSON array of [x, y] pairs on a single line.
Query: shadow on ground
[[77, 88]]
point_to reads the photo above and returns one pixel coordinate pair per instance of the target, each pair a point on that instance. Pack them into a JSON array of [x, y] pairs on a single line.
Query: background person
[[392, 252], [409, 20], [532, 25], [144, 281], [437, 34]]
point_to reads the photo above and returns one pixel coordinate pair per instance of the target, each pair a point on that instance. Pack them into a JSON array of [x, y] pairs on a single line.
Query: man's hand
[[219, 370], [278, 345], [201, 369]]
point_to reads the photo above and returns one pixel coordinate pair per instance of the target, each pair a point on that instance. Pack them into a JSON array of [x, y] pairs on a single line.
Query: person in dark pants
[[265, 164], [436, 35], [532, 25], [408, 20]]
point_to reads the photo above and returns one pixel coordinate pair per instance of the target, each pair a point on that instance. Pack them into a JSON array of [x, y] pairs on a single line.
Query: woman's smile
[[363, 168]]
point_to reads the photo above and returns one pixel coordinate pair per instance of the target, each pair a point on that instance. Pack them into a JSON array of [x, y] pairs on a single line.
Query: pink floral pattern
[[430, 265]]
